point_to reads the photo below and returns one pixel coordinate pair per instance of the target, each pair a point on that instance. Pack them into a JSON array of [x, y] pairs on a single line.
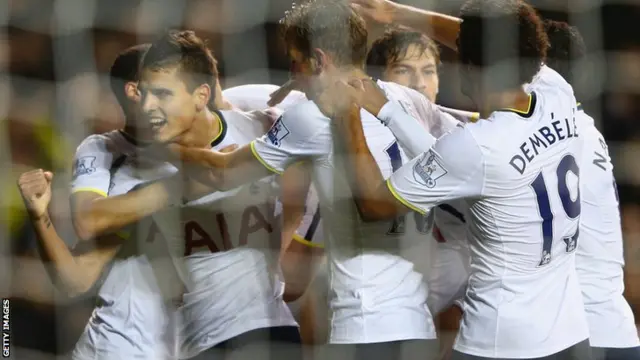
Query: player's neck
[[513, 99], [220, 102], [352, 72], [205, 127]]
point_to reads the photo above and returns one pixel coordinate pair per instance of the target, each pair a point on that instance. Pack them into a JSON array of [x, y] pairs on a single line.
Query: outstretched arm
[[442, 28], [222, 171], [300, 134]]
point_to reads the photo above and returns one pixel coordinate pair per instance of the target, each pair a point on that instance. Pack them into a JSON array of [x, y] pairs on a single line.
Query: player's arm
[[454, 163], [93, 212], [373, 199], [460, 115], [110, 214], [442, 28], [413, 135], [301, 251], [224, 171], [298, 135], [73, 275]]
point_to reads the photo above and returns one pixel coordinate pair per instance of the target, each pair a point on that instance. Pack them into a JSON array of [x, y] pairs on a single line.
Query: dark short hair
[[481, 41], [566, 46], [126, 68], [330, 25], [184, 50], [393, 46]]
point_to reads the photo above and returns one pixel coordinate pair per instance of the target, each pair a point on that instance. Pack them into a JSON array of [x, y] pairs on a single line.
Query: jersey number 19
[[571, 207]]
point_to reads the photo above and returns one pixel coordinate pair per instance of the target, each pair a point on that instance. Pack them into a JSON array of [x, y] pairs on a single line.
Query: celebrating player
[[378, 301], [523, 190], [599, 258], [127, 287]]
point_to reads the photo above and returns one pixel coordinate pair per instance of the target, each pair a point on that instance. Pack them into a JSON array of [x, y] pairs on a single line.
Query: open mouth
[[157, 123]]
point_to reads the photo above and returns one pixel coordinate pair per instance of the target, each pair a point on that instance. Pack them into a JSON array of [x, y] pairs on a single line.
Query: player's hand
[[376, 11], [365, 93], [368, 95], [230, 148], [336, 99], [35, 187], [200, 180], [279, 95]]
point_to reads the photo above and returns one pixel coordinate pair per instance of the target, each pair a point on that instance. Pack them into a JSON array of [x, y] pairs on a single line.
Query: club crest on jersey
[[277, 132], [84, 166], [427, 170]]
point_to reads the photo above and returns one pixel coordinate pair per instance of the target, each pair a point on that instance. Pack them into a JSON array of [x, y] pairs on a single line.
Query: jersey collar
[[223, 129], [530, 109]]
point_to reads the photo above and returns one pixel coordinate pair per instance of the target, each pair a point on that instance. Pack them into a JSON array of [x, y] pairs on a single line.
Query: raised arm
[[299, 134], [442, 28], [72, 274], [222, 170]]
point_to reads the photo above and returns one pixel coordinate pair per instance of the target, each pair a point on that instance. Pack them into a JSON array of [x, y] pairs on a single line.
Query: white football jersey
[[450, 265], [229, 245], [599, 259], [130, 316], [253, 97], [376, 295], [519, 174]]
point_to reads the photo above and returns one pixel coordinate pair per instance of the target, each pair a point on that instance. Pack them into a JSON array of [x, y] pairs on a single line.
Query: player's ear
[[318, 61], [202, 95], [131, 91]]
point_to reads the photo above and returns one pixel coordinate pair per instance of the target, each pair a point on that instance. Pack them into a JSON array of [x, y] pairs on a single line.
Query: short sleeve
[[91, 166], [310, 230], [300, 133], [452, 169]]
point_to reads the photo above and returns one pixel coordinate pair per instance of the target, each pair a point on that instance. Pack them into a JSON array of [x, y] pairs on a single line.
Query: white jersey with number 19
[[519, 173], [376, 294]]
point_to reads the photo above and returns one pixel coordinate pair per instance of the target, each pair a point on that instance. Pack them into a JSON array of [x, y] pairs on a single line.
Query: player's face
[[167, 105], [417, 70]]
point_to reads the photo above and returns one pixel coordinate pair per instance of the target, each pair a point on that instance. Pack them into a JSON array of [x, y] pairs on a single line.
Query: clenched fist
[[35, 187]]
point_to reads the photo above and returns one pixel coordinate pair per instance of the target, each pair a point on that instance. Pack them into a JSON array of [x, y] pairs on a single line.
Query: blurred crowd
[[54, 55]]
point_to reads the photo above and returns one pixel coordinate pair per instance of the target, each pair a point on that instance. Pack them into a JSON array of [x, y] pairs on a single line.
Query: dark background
[[54, 55]]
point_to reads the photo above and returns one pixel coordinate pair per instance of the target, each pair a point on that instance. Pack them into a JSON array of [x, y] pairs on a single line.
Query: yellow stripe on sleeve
[[257, 156], [306, 242], [124, 235], [92, 190], [402, 200]]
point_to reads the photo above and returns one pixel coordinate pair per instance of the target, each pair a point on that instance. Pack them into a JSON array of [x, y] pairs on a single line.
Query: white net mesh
[[55, 55]]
